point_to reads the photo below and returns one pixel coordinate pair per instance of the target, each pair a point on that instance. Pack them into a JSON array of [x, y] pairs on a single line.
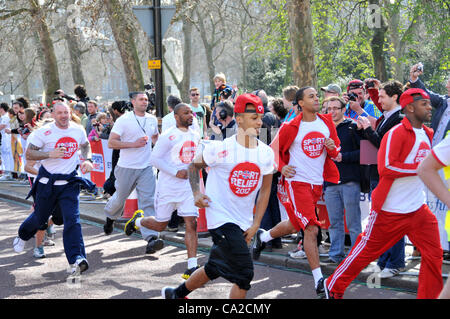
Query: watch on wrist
[[90, 160]]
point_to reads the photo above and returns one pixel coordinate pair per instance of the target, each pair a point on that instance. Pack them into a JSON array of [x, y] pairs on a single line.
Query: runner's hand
[[57, 152], [86, 167], [250, 233], [141, 142], [182, 173], [329, 144], [288, 171], [201, 200]]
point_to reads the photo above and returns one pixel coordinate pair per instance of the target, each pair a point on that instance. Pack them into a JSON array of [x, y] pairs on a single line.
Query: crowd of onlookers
[[363, 110]]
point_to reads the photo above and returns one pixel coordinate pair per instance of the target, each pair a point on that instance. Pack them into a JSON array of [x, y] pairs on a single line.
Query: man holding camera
[[357, 104]]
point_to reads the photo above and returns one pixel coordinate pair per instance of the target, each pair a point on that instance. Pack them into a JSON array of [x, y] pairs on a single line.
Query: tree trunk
[[51, 79], [19, 49], [302, 43], [187, 53], [72, 38], [124, 35], [377, 44]]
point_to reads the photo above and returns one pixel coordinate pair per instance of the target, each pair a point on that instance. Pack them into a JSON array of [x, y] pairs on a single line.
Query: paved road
[[120, 270]]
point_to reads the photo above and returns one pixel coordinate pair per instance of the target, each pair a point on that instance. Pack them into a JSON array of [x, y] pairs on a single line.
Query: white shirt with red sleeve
[[308, 152], [234, 178], [441, 151], [407, 194]]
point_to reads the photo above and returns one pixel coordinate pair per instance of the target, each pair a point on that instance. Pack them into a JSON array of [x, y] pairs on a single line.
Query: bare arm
[[428, 172], [34, 153], [194, 168], [86, 151], [114, 142], [260, 208], [29, 167]]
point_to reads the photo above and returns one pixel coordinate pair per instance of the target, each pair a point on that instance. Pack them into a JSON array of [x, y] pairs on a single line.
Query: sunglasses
[[195, 94]]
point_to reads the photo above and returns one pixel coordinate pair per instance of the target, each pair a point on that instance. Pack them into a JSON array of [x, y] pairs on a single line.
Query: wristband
[[90, 160]]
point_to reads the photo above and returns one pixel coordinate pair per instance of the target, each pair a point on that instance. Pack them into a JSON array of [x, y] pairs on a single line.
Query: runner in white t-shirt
[[172, 155], [57, 184], [134, 133], [240, 166], [428, 171]]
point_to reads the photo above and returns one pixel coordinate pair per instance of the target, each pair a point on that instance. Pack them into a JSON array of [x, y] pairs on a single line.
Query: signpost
[[155, 20]]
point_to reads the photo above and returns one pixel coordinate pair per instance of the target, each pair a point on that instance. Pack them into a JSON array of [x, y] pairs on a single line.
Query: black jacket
[[350, 138], [375, 136]]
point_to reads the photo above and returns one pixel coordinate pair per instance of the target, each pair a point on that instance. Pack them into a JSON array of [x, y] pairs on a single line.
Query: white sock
[[138, 222], [317, 274], [265, 236], [192, 262]]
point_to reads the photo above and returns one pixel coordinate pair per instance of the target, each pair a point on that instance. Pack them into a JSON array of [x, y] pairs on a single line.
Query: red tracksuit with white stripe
[[398, 209]]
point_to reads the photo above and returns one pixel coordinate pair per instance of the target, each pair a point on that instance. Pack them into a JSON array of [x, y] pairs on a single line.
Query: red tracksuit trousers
[[382, 232]]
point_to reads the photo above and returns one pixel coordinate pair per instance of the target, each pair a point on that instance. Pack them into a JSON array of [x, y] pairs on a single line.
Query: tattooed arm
[[86, 153], [34, 153], [201, 200]]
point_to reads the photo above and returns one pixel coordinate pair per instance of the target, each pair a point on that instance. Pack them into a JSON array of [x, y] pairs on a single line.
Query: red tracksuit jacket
[[394, 149], [286, 136]]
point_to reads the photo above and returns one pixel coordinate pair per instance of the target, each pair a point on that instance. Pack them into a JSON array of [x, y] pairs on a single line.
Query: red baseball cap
[[355, 84], [247, 98], [407, 96]]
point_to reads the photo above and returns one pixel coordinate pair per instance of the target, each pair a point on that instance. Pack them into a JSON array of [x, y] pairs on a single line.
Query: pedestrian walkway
[[92, 209]]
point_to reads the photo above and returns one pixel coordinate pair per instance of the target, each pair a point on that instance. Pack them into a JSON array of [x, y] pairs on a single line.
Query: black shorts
[[230, 256]]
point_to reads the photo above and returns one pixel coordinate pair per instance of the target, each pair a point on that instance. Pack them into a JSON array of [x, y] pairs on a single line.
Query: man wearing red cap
[[399, 203], [240, 166]]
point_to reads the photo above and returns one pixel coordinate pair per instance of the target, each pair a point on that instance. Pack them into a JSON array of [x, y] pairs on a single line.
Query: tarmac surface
[[91, 209]]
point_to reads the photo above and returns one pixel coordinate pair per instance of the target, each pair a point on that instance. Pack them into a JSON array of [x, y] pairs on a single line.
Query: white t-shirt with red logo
[[49, 137], [174, 151], [407, 194], [308, 152], [234, 178]]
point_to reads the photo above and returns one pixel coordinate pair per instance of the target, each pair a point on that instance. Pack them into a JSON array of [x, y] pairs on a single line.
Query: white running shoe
[[38, 252], [299, 254], [323, 251], [374, 269], [18, 245], [389, 272]]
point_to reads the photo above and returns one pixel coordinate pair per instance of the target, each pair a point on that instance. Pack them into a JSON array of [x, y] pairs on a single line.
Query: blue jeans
[[394, 257], [337, 199]]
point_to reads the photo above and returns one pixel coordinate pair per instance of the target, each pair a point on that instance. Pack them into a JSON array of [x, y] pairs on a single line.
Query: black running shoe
[[258, 245], [189, 272], [320, 289], [168, 293], [109, 226], [154, 244], [130, 226]]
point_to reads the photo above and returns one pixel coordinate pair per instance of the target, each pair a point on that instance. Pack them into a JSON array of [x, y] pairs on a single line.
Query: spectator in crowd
[[357, 104], [6, 153], [278, 108], [80, 93], [269, 119], [288, 100], [199, 110], [80, 111], [331, 90], [117, 109], [387, 98], [168, 120], [344, 195], [92, 111], [100, 124], [225, 113]]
